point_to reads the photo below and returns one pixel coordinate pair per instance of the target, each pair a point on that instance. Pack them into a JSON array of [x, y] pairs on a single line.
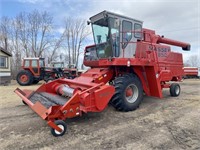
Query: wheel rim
[[49, 81], [177, 90], [24, 78], [131, 93], [57, 132]]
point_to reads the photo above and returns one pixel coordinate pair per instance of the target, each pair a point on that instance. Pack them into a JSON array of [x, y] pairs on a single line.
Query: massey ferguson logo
[[161, 51]]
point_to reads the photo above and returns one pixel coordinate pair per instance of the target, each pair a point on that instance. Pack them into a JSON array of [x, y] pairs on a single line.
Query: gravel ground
[[168, 123]]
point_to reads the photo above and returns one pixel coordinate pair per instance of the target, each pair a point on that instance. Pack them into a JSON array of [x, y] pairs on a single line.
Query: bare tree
[[57, 43], [4, 32], [32, 35], [16, 45], [7, 41], [75, 34], [30, 32], [40, 31], [27, 35], [24, 34], [194, 61]]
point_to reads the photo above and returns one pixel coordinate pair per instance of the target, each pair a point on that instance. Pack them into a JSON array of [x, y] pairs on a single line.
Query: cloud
[[60, 30], [175, 19]]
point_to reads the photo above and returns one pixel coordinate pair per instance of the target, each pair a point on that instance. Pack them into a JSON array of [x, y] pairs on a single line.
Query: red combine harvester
[[191, 72], [128, 57]]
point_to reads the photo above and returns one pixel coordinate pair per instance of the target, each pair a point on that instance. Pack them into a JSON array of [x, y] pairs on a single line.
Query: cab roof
[[105, 12], [33, 58]]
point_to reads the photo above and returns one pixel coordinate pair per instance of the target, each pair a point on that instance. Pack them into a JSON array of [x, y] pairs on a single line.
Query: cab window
[[126, 33], [137, 31], [26, 63], [41, 63], [114, 29], [34, 63]]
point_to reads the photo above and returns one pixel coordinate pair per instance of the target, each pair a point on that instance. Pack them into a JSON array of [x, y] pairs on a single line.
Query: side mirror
[[88, 22]]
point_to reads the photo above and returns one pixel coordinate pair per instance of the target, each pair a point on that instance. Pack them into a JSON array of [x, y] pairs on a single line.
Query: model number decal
[[161, 51]]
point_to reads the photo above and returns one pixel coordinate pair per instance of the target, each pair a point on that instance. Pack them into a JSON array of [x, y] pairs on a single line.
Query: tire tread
[[120, 83]]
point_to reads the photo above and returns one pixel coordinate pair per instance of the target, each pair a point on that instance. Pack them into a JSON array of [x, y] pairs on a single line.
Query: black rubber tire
[[49, 80], [28, 74], [35, 82], [61, 123], [24, 102], [119, 100], [175, 89]]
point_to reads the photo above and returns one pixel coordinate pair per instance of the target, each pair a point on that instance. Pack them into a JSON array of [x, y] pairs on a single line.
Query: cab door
[[131, 32], [42, 68], [35, 67]]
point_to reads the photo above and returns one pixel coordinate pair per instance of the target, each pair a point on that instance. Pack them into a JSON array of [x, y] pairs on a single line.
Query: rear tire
[[128, 93], [24, 102], [24, 77], [49, 80], [175, 89], [35, 82]]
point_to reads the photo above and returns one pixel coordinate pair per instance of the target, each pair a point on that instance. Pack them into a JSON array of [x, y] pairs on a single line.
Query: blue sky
[[57, 8], [176, 19]]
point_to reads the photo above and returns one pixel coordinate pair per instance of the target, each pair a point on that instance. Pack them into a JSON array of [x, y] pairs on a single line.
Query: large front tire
[[128, 93], [24, 77]]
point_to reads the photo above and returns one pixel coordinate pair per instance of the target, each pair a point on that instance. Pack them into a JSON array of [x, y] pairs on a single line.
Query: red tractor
[[70, 72], [33, 70], [128, 57]]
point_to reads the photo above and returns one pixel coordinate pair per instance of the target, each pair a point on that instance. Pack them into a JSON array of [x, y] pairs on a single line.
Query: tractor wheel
[[24, 77], [175, 89], [24, 102], [61, 124], [35, 82], [128, 93], [49, 80]]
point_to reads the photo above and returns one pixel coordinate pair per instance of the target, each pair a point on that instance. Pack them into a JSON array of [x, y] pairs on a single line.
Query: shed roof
[[5, 51]]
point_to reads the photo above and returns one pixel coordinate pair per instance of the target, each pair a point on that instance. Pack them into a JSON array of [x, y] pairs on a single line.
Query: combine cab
[[131, 59]]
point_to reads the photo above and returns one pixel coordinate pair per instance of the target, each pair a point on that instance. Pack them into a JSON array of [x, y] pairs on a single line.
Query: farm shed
[[5, 69]]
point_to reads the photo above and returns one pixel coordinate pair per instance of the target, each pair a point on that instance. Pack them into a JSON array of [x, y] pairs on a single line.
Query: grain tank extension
[[132, 59]]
